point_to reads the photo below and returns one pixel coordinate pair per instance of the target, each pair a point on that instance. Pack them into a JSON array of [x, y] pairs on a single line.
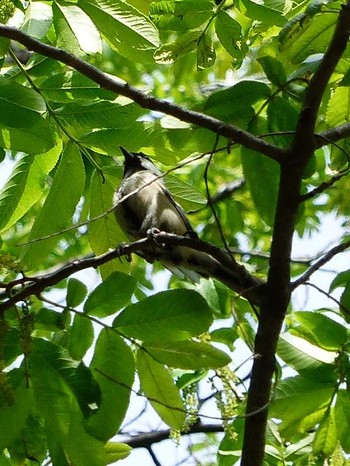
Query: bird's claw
[[121, 249], [152, 234]]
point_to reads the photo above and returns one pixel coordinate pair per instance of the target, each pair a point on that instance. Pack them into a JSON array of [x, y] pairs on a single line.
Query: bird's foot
[[152, 234], [121, 249]]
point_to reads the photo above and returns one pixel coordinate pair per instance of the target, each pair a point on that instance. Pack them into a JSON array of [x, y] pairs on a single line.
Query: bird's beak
[[126, 153]]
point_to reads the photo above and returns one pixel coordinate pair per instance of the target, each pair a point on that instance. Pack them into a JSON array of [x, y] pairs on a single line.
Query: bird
[[143, 205]]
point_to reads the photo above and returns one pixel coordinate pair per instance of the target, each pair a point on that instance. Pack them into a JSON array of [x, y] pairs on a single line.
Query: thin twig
[[322, 187], [319, 263]]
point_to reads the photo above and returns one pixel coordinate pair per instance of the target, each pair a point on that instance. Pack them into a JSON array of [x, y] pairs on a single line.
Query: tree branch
[[320, 263], [227, 190], [323, 186], [148, 439], [277, 291], [332, 135], [241, 280], [106, 82]]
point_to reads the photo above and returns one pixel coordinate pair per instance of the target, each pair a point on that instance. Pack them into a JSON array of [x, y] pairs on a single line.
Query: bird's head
[[137, 161]]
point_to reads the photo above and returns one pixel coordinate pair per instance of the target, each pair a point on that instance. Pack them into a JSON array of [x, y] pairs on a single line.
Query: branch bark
[[205, 121], [320, 263], [278, 290], [148, 439], [20, 289]]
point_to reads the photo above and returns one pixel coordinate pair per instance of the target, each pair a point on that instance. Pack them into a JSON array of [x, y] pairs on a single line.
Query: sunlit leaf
[[188, 355], [111, 295], [58, 208], [170, 52], [113, 368], [167, 316], [160, 389], [38, 19], [126, 29], [75, 30]]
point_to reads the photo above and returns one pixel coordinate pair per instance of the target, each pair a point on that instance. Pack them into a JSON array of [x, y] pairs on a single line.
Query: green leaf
[[229, 32], [170, 52], [309, 360], [76, 292], [180, 15], [235, 103], [66, 38], [49, 320], [127, 30], [143, 134], [111, 295], [321, 330], [75, 30], [187, 195], [15, 409], [37, 19], [31, 442], [263, 183], [113, 367], [342, 419], [274, 70], [80, 337], [282, 116], [306, 36], [161, 391], [205, 52], [59, 206], [103, 114], [300, 403], [58, 405], [34, 140], [264, 13], [21, 106], [188, 355], [116, 451], [22, 126], [338, 109], [104, 233], [226, 335], [345, 303], [326, 436], [26, 185], [63, 87], [341, 280], [167, 316]]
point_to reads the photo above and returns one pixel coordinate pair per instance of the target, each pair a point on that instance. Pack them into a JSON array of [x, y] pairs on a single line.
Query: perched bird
[[151, 207]]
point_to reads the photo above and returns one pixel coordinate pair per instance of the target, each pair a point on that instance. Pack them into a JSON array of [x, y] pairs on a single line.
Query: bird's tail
[[194, 264]]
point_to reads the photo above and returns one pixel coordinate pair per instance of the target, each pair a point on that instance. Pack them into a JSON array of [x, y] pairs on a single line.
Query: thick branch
[[278, 289], [23, 288], [223, 129]]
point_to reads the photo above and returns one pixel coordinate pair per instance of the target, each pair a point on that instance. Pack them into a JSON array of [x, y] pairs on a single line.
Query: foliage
[[73, 355]]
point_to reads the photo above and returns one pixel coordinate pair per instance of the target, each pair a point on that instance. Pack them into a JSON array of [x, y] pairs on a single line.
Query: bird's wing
[[178, 208]]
